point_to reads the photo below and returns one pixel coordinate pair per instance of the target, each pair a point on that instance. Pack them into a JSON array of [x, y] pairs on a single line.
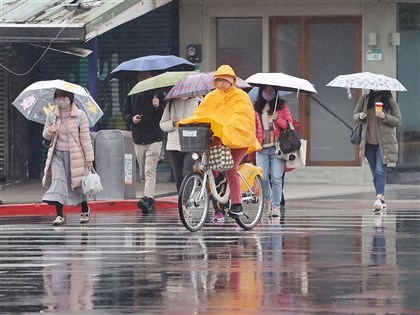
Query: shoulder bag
[[289, 139]]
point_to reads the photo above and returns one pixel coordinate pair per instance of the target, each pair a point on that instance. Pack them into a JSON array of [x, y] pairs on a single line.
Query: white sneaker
[[379, 205], [58, 220], [275, 211], [85, 216]]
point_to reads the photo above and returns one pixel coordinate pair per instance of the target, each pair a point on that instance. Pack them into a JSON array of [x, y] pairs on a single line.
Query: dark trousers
[[182, 164]]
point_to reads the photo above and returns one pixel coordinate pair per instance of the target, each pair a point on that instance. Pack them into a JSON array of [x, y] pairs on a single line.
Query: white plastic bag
[[91, 183]]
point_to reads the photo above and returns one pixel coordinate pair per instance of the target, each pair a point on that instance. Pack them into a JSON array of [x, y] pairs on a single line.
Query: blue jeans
[[273, 169], [378, 169]]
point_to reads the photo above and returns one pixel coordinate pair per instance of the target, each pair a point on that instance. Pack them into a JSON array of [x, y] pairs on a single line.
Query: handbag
[[300, 156], [356, 134], [220, 158], [91, 183], [289, 139]]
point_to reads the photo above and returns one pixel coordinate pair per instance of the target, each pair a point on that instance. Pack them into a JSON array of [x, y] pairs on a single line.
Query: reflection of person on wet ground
[[68, 277], [378, 254]]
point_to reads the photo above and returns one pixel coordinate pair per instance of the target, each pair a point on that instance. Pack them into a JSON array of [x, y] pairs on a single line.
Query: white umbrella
[[368, 81], [283, 81]]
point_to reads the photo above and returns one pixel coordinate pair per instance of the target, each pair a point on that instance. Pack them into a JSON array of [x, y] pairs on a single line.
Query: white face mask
[[63, 102]]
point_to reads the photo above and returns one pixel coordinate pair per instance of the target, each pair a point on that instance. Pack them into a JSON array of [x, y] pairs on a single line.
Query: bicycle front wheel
[[192, 206], [253, 205]]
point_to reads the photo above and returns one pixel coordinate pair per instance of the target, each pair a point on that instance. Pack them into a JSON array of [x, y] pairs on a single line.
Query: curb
[[29, 209]]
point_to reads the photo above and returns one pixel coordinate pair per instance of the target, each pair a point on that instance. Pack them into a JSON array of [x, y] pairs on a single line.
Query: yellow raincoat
[[230, 113]]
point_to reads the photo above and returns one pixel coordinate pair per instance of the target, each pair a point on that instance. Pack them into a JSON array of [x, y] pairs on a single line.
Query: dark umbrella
[[129, 69]]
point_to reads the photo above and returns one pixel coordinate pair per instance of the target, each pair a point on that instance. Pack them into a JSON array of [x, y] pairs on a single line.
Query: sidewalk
[[25, 198]]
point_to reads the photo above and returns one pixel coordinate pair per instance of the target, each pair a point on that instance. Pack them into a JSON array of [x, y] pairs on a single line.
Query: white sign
[[128, 169], [374, 54]]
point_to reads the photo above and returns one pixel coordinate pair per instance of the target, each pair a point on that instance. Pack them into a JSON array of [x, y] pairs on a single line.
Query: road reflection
[[303, 262]]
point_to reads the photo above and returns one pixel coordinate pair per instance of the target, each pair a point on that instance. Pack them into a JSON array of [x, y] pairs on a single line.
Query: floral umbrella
[[198, 84], [37, 100], [368, 81]]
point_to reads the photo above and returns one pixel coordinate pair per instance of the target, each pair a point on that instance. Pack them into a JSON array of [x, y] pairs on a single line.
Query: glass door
[[319, 49]]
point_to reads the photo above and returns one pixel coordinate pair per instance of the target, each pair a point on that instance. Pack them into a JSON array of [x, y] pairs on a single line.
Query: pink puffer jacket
[[284, 116], [80, 145]]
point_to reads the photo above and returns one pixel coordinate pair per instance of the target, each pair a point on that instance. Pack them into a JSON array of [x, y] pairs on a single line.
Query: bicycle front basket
[[194, 137]]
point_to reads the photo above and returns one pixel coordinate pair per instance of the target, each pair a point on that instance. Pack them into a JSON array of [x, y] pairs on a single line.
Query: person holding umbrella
[[69, 155], [381, 116], [175, 110], [271, 115], [142, 113], [229, 111]]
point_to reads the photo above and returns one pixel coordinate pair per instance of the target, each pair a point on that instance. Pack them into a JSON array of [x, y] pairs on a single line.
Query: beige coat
[[386, 131], [80, 145]]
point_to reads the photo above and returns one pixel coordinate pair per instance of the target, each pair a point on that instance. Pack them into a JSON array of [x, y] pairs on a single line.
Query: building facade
[[316, 40]]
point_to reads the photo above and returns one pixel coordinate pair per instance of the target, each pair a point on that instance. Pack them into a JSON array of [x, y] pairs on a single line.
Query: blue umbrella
[[160, 63]]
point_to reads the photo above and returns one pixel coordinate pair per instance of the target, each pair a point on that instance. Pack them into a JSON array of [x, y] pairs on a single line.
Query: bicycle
[[199, 185]]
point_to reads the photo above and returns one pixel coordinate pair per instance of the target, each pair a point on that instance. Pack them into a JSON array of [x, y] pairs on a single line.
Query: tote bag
[[300, 159], [220, 158]]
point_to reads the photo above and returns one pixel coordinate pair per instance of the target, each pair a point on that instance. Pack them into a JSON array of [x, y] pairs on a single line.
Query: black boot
[[147, 205]]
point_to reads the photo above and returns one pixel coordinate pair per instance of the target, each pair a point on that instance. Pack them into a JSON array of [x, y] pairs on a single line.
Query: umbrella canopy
[[160, 83], [198, 84], [37, 100], [283, 81], [253, 93], [129, 69], [368, 81]]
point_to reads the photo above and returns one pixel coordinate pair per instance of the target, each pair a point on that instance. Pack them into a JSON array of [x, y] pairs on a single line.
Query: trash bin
[[115, 163]]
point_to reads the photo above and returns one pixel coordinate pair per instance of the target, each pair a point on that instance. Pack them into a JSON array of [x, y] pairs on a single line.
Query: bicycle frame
[[247, 172]]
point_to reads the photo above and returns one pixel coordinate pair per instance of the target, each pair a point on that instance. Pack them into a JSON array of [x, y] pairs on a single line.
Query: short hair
[[62, 93]]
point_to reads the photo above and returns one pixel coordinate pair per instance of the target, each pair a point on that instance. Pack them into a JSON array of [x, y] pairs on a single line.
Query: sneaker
[[147, 205], [219, 217], [379, 205], [85, 216], [58, 221], [275, 211], [236, 209]]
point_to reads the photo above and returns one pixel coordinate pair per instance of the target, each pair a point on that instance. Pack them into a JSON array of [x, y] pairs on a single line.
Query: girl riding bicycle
[[230, 112]]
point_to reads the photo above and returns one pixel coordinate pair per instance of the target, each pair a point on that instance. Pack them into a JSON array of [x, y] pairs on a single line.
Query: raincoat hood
[[230, 114], [223, 71]]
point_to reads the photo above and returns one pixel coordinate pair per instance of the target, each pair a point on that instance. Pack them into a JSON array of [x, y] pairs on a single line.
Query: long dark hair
[[384, 96], [260, 102]]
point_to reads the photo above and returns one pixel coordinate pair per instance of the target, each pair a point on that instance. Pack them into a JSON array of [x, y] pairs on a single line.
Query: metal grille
[[4, 115]]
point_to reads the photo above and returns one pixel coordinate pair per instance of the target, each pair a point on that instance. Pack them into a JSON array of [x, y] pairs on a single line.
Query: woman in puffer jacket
[[269, 120], [379, 137], [70, 154]]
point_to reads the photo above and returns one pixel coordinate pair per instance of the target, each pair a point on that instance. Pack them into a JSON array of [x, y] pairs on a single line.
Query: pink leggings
[[232, 175]]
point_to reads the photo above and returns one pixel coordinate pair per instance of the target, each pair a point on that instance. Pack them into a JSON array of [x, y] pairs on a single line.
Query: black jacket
[[147, 130]]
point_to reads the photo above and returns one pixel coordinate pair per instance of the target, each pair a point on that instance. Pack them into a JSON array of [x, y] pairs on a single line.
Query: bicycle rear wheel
[[253, 206], [193, 209]]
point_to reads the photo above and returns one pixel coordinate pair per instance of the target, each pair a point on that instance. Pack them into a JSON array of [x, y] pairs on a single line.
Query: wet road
[[326, 260]]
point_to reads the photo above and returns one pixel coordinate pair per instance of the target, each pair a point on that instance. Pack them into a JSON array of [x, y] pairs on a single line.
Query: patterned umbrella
[[198, 84], [368, 81], [37, 100]]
